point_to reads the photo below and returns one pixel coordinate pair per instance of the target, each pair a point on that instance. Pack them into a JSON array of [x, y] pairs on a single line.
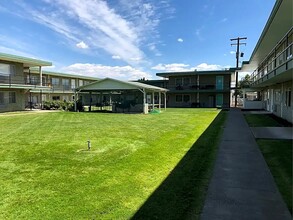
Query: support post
[[90, 107], [41, 75], [165, 101], [160, 101], [75, 101], [153, 100]]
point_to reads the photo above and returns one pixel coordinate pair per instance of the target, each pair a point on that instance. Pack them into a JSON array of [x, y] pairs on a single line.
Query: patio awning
[[109, 84]]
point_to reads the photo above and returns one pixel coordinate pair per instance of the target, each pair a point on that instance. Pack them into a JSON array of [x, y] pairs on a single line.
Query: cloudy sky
[[131, 39]]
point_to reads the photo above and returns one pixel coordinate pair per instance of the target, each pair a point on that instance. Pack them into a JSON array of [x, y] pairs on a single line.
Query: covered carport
[[132, 96]]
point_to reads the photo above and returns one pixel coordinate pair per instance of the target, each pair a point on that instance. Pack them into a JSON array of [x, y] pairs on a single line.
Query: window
[[12, 97], [55, 81], [277, 96], [186, 98], [80, 82], [182, 98], [178, 98], [56, 97], [7, 69], [72, 83], [178, 81], [186, 81], [288, 97], [1, 98], [65, 84]]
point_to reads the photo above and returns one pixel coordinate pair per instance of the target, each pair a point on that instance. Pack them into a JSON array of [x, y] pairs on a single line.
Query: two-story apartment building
[[24, 83], [271, 63], [207, 89], [61, 86], [13, 84]]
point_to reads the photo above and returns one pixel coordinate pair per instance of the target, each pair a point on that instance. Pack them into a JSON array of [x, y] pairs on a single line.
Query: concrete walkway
[[242, 186]]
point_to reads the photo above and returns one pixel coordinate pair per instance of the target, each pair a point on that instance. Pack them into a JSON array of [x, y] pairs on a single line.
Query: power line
[[238, 39]]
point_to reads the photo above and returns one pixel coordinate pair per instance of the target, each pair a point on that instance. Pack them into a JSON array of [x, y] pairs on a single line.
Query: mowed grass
[[278, 155], [46, 171]]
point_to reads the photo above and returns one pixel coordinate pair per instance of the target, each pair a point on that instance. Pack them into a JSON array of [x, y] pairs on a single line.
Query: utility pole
[[238, 39]]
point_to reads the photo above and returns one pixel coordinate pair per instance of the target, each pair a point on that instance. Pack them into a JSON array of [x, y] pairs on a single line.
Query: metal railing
[[273, 60], [198, 87]]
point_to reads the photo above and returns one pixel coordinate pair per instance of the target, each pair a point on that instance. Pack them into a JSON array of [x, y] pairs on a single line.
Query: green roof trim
[[188, 73], [52, 73], [25, 60]]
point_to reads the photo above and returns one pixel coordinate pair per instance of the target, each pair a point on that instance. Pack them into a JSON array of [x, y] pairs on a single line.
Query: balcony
[[198, 88], [276, 67], [19, 82]]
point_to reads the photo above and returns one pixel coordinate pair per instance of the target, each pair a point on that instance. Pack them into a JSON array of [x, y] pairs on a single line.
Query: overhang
[[27, 62], [278, 24], [109, 84]]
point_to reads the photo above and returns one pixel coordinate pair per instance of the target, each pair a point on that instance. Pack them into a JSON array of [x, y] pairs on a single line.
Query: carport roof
[[109, 84]]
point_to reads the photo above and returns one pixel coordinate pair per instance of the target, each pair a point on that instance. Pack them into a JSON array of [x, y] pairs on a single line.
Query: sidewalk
[[242, 186]]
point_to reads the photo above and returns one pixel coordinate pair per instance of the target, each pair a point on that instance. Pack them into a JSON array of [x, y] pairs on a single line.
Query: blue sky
[[131, 39]]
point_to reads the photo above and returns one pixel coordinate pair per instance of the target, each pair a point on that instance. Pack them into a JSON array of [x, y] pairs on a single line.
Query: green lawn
[[278, 155], [160, 162], [258, 120]]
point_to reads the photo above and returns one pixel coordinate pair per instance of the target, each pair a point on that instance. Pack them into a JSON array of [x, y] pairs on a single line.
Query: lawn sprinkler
[[89, 145]]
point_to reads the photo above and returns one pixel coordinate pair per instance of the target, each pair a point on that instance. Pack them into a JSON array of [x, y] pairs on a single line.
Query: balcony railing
[[274, 61], [203, 87]]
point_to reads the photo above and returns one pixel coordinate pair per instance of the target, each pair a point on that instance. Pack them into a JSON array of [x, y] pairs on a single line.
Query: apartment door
[[219, 82], [219, 100], [211, 101]]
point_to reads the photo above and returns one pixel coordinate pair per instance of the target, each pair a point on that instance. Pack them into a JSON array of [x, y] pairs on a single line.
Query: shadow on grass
[[182, 193]]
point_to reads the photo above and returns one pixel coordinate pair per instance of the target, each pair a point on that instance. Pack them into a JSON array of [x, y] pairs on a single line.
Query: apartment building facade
[[206, 89], [271, 64], [24, 83], [61, 86], [13, 84]]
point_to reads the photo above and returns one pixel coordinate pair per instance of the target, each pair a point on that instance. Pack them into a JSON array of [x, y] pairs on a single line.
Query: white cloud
[[120, 29], [205, 67], [173, 67], [101, 71], [232, 52], [82, 45], [180, 67], [180, 40], [116, 57]]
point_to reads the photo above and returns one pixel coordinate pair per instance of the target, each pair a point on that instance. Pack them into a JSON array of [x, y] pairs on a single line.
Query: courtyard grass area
[[259, 120], [139, 167], [278, 155]]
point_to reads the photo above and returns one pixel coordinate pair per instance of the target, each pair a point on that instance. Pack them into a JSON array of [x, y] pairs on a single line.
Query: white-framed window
[[65, 84], [12, 97], [7, 69], [55, 81], [72, 83]]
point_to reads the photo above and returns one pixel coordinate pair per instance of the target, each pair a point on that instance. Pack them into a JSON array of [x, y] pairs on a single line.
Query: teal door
[[219, 82], [219, 100]]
